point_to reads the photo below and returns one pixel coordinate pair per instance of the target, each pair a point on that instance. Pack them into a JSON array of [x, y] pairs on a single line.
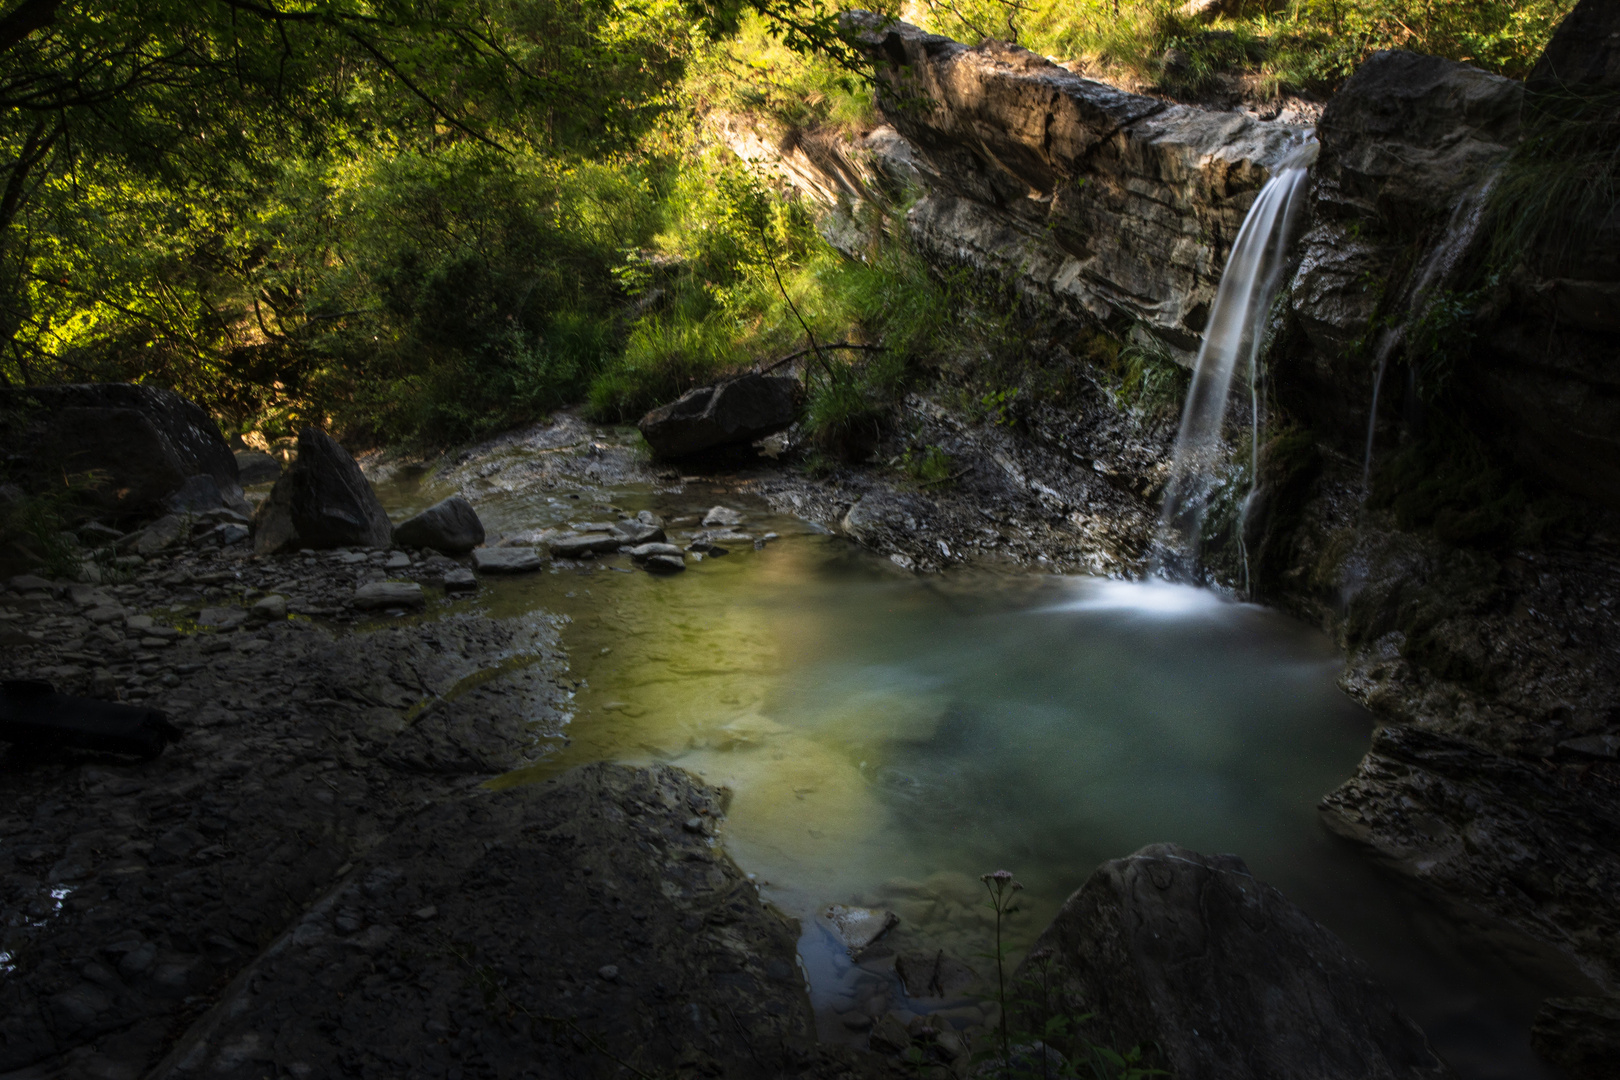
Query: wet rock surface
[[1191, 955]]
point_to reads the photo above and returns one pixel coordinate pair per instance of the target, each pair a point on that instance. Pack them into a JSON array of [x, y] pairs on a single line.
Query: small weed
[[995, 407], [928, 465]]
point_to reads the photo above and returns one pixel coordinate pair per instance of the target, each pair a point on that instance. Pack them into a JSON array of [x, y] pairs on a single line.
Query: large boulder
[[1229, 980], [136, 443], [451, 526], [1584, 53], [323, 501], [736, 410]]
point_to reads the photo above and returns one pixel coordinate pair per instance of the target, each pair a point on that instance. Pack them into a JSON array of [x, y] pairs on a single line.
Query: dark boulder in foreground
[[135, 443], [1230, 980], [450, 526], [540, 931], [34, 715], [734, 411], [323, 501]]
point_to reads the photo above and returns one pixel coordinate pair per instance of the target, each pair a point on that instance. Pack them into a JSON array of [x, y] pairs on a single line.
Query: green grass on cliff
[[1280, 45]]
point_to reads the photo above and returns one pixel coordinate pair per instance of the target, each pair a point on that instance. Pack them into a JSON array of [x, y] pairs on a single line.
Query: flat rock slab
[[389, 594], [647, 551], [507, 560], [583, 545], [638, 532], [583, 899], [1229, 980], [664, 564], [460, 580]]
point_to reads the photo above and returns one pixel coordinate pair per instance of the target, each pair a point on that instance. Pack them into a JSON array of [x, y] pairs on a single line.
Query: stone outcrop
[[450, 525], [1493, 832], [324, 501], [1222, 974], [137, 443], [1110, 206], [572, 923], [734, 411]]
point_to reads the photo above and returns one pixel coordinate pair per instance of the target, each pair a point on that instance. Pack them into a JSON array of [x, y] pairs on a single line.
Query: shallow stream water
[[888, 738]]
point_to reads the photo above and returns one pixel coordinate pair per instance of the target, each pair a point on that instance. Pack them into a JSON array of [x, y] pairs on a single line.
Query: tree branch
[[24, 19]]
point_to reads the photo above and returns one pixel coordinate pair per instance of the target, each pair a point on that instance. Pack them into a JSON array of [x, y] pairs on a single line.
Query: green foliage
[[1560, 187], [927, 465], [1150, 382], [754, 72], [1298, 45], [34, 525]]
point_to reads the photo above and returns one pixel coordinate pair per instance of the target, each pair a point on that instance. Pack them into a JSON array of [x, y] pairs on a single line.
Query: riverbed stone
[[451, 526], [460, 580], [583, 545], [378, 595], [1220, 976], [664, 564], [645, 551], [140, 442], [638, 532], [506, 560], [324, 501], [858, 928]]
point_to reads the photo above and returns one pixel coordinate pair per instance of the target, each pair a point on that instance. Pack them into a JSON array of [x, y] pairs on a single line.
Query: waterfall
[[1234, 334]]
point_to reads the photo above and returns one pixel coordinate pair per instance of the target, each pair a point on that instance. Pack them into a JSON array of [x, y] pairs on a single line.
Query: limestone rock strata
[[1498, 833], [1112, 206]]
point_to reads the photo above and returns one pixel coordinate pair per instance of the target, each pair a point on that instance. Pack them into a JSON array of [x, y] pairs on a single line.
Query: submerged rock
[[583, 545], [379, 595], [451, 526], [1226, 977], [738, 410]]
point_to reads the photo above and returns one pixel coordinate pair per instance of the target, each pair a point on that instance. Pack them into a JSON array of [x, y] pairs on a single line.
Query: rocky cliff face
[[1111, 207]]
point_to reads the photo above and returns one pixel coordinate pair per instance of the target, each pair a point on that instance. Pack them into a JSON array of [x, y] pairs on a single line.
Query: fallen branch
[[790, 357]]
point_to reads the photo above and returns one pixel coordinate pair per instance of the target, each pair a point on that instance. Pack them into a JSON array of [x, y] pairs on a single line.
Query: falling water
[[1438, 268], [1235, 332]]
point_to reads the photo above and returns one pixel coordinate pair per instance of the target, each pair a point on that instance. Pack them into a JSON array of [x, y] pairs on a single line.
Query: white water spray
[[1234, 335]]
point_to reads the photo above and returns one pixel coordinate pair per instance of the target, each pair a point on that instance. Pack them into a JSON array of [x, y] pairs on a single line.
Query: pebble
[[459, 580], [272, 608], [609, 972]]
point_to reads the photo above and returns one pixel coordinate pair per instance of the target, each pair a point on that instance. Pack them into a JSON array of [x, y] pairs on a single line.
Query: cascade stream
[[1235, 333]]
